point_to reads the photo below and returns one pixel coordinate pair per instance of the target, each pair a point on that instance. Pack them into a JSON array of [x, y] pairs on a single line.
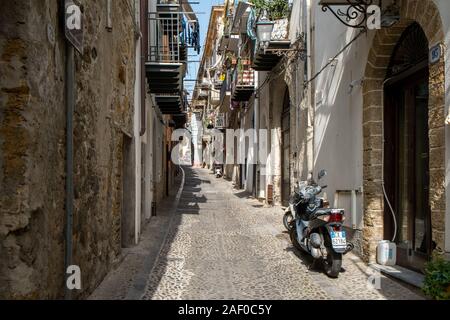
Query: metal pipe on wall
[[144, 52], [311, 107], [257, 136], [70, 107]]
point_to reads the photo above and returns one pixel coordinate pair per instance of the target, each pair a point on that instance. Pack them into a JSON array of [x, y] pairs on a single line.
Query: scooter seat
[[322, 212]]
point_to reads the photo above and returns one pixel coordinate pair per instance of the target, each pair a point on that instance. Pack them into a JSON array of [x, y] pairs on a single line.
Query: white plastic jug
[[387, 253]]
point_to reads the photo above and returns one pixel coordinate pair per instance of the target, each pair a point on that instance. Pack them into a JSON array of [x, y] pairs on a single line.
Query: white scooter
[[218, 171]]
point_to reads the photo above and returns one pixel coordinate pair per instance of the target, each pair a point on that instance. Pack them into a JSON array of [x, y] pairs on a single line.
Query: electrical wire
[[382, 167], [335, 57]]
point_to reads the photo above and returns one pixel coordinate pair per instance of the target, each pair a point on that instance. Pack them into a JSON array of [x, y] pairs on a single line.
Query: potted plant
[[276, 9], [437, 279], [230, 60]]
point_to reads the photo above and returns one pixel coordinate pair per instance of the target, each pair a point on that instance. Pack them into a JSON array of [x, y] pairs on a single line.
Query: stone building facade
[[32, 144]]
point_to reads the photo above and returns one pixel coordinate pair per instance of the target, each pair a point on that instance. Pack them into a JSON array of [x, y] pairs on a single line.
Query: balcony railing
[[244, 82], [166, 37], [245, 77], [167, 55]]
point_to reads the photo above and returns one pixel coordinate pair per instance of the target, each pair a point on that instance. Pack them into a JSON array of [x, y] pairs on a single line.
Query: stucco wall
[[338, 134], [340, 144]]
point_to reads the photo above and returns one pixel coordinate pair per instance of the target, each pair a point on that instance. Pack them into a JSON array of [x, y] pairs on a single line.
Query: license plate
[[339, 240]]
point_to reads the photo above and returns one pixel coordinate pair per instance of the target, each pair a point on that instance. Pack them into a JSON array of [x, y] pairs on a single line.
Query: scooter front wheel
[[287, 220], [293, 235]]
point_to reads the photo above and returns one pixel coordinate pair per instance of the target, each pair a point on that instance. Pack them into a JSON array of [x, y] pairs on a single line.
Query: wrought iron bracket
[[289, 53], [355, 15], [298, 49]]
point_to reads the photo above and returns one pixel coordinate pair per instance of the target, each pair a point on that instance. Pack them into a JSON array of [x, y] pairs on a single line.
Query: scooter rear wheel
[[333, 263]]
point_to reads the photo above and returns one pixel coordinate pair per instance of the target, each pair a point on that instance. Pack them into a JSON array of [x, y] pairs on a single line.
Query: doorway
[[128, 218], [286, 149], [407, 150]]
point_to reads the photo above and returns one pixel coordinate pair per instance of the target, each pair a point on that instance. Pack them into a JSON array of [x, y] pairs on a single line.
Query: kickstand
[[313, 265]]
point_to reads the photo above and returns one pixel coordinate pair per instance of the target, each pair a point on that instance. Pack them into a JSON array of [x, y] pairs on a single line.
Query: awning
[[240, 11]]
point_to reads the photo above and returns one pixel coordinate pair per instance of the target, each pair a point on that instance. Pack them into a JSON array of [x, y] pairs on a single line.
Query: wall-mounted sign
[[436, 53], [74, 25]]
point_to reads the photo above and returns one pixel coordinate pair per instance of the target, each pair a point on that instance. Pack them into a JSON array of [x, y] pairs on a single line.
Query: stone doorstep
[[405, 275]]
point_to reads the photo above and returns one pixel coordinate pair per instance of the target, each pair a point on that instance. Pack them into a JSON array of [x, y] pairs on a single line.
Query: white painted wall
[[197, 133], [298, 15], [247, 124], [338, 135], [338, 132]]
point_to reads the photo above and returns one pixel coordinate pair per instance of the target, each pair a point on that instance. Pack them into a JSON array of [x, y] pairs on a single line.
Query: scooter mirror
[[322, 174]]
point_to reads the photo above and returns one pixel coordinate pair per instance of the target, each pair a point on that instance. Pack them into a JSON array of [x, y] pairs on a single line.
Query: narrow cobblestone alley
[[223, 245], [117, 119]]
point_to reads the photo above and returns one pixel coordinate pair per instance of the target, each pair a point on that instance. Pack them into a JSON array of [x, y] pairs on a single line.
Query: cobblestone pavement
[[223, 245]]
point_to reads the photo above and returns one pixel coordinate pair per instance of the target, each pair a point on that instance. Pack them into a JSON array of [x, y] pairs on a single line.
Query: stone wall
[[32, 123], [32, 145]]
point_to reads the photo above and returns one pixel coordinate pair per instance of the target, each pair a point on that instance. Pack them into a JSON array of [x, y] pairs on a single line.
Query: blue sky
[[204, 7]]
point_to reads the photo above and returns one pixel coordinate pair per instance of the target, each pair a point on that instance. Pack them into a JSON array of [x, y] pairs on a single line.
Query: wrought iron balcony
[[218, 83], [170, 104], [180, 121], [167, 56], [244, 83], [265, 59], [214, 97]]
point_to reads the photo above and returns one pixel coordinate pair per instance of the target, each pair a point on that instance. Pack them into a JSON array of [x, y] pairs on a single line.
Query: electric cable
[[335, 57], [382, 166]]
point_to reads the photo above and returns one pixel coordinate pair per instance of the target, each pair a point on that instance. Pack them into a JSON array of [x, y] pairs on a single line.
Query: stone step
[[408, 276]]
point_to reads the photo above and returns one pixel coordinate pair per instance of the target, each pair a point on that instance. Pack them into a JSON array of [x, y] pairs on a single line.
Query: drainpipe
[[256, 139], [70, 106], [311, 109], [144, 49]]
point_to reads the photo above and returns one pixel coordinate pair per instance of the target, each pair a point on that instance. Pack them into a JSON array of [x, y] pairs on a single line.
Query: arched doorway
[[286, 149], [407, 149], [384, 43]]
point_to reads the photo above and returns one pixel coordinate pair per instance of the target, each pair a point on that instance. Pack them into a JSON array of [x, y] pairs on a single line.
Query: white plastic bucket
[[387, 253]]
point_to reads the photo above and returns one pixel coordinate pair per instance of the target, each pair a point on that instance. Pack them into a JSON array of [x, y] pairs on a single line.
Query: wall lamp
[[264, 29]]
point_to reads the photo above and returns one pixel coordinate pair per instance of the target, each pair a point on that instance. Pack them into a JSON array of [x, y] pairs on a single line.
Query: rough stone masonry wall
[[32, 145], [31, 151], [428, 16]]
